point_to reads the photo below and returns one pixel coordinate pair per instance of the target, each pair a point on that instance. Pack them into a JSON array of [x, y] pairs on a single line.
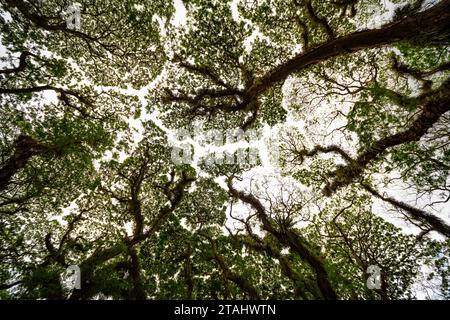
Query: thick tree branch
[[421, 216], [135, 271], [319, 21], [299, 284], [292, 239], [240, 281], [434, 105], [63, 96], [25, 147], [46, 23], [22, 63], [101, 256], [435, 20], [433, 108], [419, 74], [429, 24]]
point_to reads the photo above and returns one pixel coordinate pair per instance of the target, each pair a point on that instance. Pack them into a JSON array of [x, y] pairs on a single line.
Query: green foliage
[[88, 118]]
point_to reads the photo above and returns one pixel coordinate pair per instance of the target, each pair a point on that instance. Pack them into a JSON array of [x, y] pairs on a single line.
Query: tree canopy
[[211, 149]]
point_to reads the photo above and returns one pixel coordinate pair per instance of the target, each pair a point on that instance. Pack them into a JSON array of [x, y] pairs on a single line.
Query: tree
[[355, 109]]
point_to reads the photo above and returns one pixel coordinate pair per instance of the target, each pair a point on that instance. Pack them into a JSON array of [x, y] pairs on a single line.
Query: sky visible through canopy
[[218, 150]]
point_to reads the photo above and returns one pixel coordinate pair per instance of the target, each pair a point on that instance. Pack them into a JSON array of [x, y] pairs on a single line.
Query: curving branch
[[422, 217], [434, 105], [314, 19], [418, 74], [432, 109], [202, 70], [344, 5], [64, 95], [253, 241], [435, 20], [300, 285], [240, 281], [289, 238], [9, 285], [48, 23], [22, 63], [176, 192], [25, 148], [303, 153], [322, 22]]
